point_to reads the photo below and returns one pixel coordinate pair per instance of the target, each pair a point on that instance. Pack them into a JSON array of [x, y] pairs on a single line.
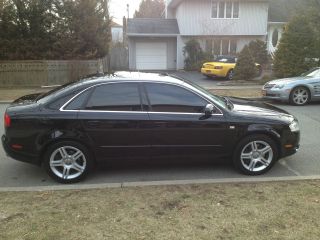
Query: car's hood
[[288, 80], [257, 109]]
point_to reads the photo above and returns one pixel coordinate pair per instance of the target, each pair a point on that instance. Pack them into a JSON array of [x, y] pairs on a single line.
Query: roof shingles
[[152, 26]]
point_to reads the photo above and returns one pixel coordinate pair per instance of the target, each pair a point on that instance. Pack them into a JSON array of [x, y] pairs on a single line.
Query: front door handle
[[160, 124], [93, 123]]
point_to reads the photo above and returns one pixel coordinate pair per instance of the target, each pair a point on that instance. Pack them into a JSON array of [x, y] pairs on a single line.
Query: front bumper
[[291, 139], [213, 72], [276, 94], [17, 154]]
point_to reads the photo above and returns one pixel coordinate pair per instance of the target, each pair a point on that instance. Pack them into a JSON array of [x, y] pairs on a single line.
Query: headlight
[[279, 86], [294, 126]]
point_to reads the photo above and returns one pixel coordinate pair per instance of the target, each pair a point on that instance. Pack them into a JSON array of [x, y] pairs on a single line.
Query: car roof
[[133, 76], [116, 77]]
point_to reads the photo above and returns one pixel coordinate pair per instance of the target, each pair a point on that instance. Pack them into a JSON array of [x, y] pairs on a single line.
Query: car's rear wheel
[[299, 96], [67, 161], [255, 155], [230, 75]]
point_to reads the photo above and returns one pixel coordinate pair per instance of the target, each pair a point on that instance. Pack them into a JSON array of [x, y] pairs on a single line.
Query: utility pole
[[128, 10]]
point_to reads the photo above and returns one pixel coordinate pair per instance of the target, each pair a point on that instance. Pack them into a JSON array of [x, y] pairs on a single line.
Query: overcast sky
[[118, 9]]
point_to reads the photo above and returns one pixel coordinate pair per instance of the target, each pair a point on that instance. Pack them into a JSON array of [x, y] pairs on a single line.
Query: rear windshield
[[54, 90]]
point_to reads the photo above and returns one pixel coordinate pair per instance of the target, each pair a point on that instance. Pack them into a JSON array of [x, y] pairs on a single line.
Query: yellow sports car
[[222, 67]]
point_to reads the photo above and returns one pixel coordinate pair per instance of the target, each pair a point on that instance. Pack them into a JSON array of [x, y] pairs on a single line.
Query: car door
[[114, 121], [316, 87], [179, 125]]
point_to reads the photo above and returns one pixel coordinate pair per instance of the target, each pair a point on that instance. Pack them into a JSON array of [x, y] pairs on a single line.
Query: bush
[[259, 53], [298, 47], [194, 56], [245, 68]]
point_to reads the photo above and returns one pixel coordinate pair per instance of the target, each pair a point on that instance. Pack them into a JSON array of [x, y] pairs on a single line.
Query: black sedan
[[135, 115]]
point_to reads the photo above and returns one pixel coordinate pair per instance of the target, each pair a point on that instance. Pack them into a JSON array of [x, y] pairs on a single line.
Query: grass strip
[[274, 210]]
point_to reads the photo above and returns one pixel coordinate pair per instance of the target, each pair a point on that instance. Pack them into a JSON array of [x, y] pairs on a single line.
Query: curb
[[158, 183]]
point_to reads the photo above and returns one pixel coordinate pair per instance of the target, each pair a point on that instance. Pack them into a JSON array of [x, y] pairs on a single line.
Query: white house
[[116, 32], [221, 27]]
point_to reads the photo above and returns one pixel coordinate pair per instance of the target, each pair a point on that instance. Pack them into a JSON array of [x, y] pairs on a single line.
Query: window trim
[[140, 89], [225, 9]]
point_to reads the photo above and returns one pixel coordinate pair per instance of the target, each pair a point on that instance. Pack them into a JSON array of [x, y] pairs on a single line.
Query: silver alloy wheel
[[67, 162], [300, 96], [256, 156]]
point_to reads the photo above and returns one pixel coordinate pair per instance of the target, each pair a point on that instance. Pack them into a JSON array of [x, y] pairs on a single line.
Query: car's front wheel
[[255, 155], [299, 96], [67, 161]]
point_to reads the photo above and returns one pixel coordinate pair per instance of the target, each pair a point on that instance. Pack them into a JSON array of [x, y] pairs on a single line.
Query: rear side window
[[170, 98], [78, 102], [115, 97]]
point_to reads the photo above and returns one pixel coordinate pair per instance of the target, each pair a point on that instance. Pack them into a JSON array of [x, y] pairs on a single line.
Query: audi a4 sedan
[[133, 115], [297, 90]]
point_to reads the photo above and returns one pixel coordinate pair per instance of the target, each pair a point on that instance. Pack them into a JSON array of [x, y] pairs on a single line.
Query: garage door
[[151, 56]]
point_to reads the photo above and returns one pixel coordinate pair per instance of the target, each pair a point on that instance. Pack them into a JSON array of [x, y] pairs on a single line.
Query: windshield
[[216, 99], [312, 73], [226, 59]]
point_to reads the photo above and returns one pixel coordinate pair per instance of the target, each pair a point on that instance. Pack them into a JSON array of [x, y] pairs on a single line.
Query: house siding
[[194, 19], [171, 50]]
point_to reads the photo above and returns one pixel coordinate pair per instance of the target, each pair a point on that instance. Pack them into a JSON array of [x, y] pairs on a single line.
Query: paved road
[[305, 163]]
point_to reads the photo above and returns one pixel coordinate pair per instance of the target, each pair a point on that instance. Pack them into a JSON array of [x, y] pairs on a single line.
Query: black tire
[[79, 165], [297, 99], [230, 75], [260, 164]]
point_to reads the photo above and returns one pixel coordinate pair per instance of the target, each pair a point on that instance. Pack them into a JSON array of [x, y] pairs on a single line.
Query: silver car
[[297, 90]]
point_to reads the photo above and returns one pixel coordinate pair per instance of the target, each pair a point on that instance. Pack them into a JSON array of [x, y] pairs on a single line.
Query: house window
[[224, 9], [221, 46]]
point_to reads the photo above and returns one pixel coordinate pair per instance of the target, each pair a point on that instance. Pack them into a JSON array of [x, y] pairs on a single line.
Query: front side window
[[115, 97], [171, 98], [224, 9]]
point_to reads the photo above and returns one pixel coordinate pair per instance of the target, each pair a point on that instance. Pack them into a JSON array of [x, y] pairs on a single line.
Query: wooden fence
[[48, 73], [119, 58]]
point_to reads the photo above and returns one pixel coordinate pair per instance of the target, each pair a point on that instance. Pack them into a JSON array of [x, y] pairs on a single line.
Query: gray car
[[297, 90]]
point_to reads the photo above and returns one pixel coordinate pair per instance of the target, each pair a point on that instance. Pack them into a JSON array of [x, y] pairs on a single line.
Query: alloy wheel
[[256, 156], [67, 162], [300, 96]]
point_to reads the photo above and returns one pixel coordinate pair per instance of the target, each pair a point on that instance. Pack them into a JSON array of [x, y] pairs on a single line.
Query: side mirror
[[208, 110]]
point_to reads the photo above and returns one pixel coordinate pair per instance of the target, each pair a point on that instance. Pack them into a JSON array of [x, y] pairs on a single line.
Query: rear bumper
[[213, 72], [19, 155]]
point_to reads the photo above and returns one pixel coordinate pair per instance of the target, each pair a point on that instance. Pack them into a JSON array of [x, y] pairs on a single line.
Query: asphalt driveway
[[199, 79], [305, 163]]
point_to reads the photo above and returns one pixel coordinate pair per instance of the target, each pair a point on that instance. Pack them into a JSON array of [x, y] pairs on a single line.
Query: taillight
[[7, 120]]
